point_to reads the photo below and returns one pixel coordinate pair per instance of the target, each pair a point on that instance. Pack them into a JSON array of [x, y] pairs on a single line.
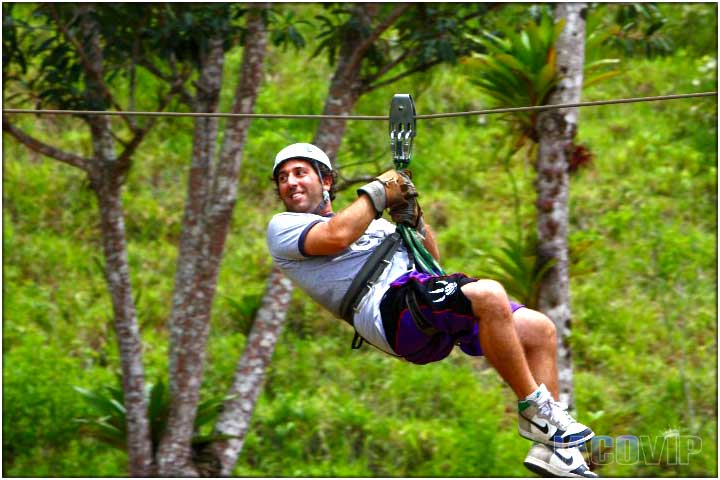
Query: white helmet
[[305, 151]]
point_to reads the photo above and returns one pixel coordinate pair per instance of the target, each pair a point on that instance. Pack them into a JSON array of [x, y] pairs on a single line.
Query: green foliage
[[56, 73], [681, 27], [159, 36], [443, 35], [107, 422], [379, 424], [519, 69], [339, 24], [110, 427], [637, 28], [38, 407], [516, 266], [285, 29], [651, 210], [644, 337], [441, 38]]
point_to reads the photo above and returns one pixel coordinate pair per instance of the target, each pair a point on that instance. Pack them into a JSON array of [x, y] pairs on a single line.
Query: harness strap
[[357, 341], [372, 269], [418, 317]]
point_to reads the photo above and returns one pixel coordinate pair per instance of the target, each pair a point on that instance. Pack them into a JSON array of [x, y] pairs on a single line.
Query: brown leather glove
[[389, 190], [409, 214]]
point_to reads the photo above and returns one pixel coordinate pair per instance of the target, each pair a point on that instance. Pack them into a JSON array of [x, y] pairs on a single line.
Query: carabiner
[[402, 129]]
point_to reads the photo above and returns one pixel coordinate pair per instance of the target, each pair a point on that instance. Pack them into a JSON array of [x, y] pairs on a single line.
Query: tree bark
[[107, 185], [250, 372], [139, 446], [557, 129], [107, 177], [346, 85], [212, 194], [188, 319]]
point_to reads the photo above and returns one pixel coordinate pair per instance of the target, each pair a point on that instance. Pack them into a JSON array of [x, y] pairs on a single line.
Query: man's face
[[299, 186]]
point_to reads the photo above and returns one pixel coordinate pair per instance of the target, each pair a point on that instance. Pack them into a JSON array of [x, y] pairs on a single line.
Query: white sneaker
[[557, 462], [543, 420]]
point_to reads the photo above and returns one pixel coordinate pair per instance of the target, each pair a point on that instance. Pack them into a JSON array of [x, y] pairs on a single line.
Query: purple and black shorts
[[442, 302]]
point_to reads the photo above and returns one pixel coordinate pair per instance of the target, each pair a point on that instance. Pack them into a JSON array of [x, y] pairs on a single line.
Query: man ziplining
[[356, 265]]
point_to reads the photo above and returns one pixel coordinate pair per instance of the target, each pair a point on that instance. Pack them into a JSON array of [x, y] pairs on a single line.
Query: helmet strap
[[325, 194]]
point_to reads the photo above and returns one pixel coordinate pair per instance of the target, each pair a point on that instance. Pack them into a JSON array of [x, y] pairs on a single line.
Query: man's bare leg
[[537, 336], [498, 336]]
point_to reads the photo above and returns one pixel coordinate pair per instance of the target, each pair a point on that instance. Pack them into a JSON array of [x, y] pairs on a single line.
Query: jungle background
[[643, 246]]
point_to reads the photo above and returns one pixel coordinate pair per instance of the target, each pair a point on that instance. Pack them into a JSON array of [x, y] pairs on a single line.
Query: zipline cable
[[361, 117]]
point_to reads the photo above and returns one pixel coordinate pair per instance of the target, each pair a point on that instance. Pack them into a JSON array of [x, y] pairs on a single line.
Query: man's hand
[[392, 189], [409, 214]]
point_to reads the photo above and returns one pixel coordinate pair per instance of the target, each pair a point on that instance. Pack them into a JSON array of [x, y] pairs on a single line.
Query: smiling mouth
[[296, 195]]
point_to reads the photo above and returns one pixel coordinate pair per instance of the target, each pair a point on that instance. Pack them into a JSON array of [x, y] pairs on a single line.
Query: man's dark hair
[[324, 171]]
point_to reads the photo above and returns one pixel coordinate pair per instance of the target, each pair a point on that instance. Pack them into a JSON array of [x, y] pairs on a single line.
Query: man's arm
[[386, 191], [330, 238], [430, 244]]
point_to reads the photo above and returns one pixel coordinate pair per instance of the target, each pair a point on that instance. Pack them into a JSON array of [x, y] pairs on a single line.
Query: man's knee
[[535, 326], [545, 327]]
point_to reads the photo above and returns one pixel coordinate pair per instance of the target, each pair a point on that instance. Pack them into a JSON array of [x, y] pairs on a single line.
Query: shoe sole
[[543, 469], [550, 443]]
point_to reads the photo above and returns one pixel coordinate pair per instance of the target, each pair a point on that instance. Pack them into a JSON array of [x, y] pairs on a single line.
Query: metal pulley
[[402, 129]]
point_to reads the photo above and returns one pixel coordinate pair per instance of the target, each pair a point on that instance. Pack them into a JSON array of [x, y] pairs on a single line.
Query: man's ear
[[327, 182]]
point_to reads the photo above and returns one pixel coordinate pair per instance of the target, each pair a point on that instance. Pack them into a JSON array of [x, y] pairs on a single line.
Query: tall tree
[[210, 201], [212, 194], [557, 129], [73, 73], [87, 44]]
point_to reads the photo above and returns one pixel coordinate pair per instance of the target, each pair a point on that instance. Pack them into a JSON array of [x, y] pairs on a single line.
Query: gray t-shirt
[[327, 278]]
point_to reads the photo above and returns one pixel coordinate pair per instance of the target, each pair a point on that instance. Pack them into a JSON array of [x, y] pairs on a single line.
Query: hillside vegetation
[[643, 283]]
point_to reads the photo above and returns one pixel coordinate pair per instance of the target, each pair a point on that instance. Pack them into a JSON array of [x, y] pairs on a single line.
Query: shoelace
[[556, 412]]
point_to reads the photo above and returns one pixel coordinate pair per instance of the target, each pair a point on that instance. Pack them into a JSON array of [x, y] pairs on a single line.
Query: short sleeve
[[286, 234]]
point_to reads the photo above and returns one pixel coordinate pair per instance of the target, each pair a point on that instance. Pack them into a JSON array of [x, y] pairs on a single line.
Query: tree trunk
[[341, 100], [107, 177], [211, 200], [117, 274], [250, 372], [107, 183], [557, 128], [188, 319]]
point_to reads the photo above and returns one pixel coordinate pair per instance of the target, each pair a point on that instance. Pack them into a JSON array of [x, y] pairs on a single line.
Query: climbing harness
[[403, 128]]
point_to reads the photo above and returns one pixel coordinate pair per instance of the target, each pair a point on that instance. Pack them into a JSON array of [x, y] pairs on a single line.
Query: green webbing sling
[[402, 132]]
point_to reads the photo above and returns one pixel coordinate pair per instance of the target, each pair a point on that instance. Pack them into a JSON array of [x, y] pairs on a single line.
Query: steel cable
[[432, 116]]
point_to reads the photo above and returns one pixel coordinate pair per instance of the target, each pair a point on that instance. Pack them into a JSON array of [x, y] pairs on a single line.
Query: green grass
[[644, 285]]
